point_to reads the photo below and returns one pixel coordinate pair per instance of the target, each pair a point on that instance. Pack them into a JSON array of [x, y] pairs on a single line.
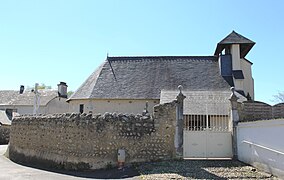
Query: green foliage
[[69, 93], [40, 86]]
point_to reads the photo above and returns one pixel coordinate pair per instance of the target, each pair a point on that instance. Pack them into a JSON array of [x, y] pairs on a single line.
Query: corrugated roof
[[10, 97], [144, 77]]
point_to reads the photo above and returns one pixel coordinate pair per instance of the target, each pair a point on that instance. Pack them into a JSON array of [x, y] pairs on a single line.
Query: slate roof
[[144, 77], [235, 38], [10, 97]]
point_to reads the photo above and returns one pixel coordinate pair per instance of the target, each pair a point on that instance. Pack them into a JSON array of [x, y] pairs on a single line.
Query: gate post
[[235, 119], [179, 124]]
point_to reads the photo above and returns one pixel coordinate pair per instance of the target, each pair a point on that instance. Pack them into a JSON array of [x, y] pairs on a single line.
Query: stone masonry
[[88, 141], [4, 134], [256, 110]]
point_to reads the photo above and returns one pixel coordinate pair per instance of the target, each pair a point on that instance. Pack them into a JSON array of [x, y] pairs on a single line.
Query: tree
[[69, 93], [43, 86], [279, 97], [40, 86]]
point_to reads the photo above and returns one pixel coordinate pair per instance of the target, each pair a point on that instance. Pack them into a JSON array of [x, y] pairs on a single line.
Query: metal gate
[[207, 128]]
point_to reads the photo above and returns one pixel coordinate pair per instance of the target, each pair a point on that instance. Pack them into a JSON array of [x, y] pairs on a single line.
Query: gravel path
[[202, 169]]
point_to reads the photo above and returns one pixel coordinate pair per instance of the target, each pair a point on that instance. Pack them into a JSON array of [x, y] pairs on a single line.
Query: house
[[22, 101], [125, 84]]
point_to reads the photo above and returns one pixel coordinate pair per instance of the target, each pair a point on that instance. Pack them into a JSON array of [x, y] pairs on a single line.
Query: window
[[9, 113], [81, 108]]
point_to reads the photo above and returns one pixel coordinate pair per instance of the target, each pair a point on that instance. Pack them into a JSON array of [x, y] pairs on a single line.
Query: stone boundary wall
[[4, 134], [86, 141], [256, 110]]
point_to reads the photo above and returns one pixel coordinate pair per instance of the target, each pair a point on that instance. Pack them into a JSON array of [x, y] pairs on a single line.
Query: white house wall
[[57, 105], [23, 109], [113, 105]]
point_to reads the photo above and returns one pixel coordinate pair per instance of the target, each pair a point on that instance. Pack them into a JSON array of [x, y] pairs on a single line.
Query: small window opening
[[81, 109]]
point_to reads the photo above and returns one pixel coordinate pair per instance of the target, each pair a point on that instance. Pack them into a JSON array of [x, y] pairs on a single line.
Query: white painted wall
[[239, 84], [261, 144], [23, 109], [57, 105], [235, 51], [248, 81], [247, 84], [236, 63], [113, 105]]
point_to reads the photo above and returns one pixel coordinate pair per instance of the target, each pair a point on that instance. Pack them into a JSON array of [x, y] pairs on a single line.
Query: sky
[[50, 41]]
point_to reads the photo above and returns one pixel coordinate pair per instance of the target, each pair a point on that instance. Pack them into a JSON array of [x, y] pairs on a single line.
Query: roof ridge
[[94, 74], [156, 58]]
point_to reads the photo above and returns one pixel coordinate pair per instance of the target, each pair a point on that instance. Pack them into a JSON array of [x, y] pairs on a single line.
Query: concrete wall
[[86, 141], [260, 143], [4, 134], [129, 106]]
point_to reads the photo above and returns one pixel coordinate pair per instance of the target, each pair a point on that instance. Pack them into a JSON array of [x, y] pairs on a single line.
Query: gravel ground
[[200, 169]]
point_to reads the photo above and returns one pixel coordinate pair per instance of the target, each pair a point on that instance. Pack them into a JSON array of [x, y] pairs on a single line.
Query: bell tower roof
[[235, 38]]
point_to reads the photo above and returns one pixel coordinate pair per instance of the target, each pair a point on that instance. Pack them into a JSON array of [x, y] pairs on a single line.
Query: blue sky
[[55, 40]]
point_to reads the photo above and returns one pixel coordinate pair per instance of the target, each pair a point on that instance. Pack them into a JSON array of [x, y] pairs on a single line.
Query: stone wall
[[4, 134], [86, 141], [256, 110]]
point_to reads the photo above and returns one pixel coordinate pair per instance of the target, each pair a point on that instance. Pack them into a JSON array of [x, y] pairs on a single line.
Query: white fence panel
[[261, 144]]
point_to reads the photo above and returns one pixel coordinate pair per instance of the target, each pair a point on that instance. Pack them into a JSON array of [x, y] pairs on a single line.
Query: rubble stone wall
[[256, 110], [88, 141], [4, 134]]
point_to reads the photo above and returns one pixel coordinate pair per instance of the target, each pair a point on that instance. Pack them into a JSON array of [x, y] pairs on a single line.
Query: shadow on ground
[[183, 169], [114, 173], [200, 169], [111, 173]]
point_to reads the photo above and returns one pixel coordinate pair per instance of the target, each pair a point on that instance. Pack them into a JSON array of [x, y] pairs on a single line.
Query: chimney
[[22, 88], [62, 89]]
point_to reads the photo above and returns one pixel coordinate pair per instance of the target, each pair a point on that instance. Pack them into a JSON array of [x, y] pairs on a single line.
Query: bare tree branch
[[279, 97]]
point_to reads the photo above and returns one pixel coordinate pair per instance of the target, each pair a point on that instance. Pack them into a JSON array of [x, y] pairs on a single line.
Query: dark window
[[9, 113], [238, 74], [226, 65], [81, 109]]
